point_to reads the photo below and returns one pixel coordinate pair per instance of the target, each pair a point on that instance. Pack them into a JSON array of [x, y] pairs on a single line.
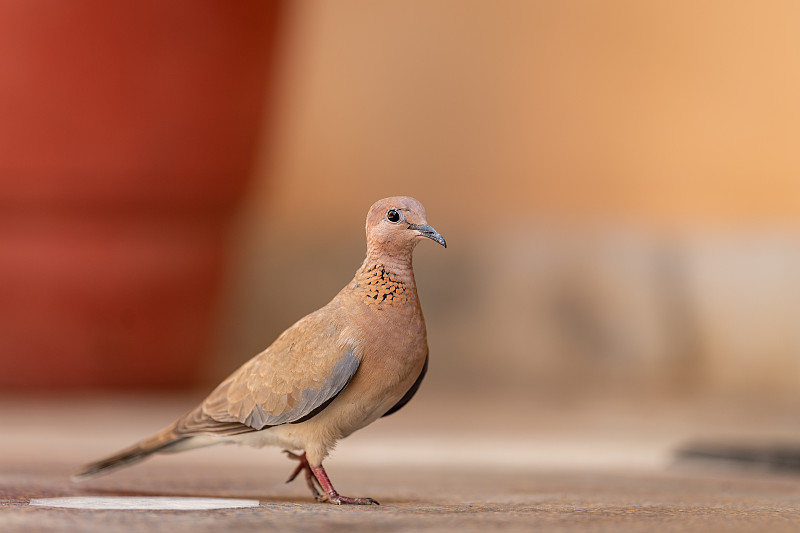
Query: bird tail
[[161, 442]]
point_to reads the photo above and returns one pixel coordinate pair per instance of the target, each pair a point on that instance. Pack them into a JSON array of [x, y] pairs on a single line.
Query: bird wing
[[411, 392], [292, 380]]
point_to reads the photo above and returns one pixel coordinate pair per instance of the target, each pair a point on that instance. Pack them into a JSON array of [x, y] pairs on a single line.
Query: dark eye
[[392, 215]]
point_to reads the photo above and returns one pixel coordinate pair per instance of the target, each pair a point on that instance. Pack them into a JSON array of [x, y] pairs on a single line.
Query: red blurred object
[[127, 135]]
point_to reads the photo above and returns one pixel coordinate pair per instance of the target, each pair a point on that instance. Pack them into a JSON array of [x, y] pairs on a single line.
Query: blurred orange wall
[[657, 111], [619, 184]]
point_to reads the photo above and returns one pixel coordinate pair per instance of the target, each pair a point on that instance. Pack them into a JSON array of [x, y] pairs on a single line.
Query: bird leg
[[310, 479], [317, 477], [333, 496]]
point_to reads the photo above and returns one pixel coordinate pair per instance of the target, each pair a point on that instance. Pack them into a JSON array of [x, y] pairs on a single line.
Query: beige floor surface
[[435, 466]]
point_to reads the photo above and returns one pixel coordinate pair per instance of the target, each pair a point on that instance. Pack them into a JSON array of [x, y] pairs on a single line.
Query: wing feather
[[301, 372]]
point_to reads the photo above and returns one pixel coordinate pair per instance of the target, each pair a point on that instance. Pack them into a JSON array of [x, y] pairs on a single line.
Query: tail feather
[[160, 442]]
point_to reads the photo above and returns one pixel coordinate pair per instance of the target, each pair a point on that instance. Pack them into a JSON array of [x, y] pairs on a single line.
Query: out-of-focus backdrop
[[618, 183]]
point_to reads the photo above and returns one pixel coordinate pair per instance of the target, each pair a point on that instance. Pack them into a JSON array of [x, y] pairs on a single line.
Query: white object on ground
[[157, 503]]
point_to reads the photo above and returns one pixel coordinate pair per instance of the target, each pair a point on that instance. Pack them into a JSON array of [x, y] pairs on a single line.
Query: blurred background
[[618, 183]]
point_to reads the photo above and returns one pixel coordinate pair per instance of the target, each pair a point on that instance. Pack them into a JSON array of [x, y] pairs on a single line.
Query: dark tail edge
[[129, 456]]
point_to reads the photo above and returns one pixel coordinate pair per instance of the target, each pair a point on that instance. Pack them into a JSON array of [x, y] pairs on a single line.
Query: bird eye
[[393, 215]]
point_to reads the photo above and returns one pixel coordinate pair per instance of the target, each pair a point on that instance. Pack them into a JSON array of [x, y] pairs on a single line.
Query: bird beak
[[427, 231]]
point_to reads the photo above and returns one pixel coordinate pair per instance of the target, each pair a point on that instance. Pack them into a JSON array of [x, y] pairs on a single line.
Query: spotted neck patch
[[379, 287]]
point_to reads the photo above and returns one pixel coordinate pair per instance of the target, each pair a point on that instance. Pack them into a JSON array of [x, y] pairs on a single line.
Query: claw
[[297, 470], [302, 466]]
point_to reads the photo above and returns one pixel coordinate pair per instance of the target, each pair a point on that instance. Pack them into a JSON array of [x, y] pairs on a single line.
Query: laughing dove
[[359, 358]]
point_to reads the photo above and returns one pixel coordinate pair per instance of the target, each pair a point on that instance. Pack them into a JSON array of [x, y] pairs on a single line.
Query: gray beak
[[427, 231]]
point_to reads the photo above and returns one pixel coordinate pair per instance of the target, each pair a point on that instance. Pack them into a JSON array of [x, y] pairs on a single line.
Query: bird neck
[[394, 267], [386, 282]]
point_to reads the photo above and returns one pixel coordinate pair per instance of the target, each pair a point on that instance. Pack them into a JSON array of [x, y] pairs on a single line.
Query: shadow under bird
[[357, 359]]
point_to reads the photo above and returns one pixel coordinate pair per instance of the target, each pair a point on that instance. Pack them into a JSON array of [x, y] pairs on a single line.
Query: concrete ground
[[434, 467]]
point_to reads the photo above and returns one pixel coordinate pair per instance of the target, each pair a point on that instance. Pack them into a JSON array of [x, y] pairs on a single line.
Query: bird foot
[[333, 496], [317, 477], [339, 500], [310, 479]]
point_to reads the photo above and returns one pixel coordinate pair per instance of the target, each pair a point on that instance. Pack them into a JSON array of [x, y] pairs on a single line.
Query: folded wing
[[291, 381]]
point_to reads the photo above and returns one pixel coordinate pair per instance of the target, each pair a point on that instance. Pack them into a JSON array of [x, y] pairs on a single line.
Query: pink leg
[[333, 496], [316, 476]]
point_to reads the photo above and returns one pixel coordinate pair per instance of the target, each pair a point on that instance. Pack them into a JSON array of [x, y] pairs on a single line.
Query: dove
[[357, 359]]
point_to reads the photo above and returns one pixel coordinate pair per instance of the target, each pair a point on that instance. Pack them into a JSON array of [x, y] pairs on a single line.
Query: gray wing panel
[[311, 399]]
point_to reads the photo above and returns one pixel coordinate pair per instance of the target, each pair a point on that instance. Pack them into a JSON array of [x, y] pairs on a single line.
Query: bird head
[[396, 224]]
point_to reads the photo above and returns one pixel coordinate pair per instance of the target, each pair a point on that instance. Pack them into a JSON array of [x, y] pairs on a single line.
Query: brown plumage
[[357, 359]]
